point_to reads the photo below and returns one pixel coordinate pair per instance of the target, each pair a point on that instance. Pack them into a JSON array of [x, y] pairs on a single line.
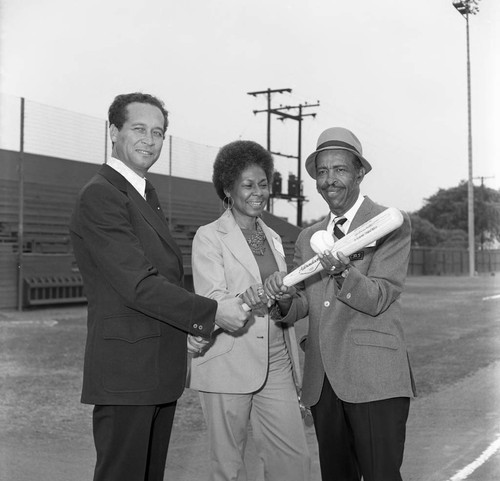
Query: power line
[[268, 93], [482, 179], [282, 112]]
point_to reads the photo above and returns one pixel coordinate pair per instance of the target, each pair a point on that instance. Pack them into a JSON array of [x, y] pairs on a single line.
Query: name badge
[[357, 256], [278, 246]]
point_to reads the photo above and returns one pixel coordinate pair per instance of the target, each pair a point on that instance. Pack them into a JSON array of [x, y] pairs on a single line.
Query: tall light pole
[[466, 8]]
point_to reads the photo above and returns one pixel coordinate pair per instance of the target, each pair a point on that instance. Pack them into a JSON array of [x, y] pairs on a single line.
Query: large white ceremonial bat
[[372, 230]]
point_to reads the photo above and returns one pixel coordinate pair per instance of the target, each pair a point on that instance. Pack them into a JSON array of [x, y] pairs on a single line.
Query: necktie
[[152, 199], [338, 233]]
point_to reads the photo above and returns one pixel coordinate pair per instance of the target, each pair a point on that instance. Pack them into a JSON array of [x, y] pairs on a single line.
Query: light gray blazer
[[355, 335], [223, 267]]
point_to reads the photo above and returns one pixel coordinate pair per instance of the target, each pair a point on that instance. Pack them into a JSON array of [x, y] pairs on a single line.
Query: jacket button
[[200, 328], [348, 295], [327, 303], [195, 326]]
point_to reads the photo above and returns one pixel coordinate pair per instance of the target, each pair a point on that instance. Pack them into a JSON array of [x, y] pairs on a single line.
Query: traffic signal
[[276, 188]]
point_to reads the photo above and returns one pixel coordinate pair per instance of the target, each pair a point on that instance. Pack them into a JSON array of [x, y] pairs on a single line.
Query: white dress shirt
[[138, 182], [349, 215]]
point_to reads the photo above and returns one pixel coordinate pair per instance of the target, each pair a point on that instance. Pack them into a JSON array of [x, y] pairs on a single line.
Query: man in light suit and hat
[[357, 376]]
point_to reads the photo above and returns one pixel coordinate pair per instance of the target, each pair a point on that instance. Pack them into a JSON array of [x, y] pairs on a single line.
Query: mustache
[[335, 185]]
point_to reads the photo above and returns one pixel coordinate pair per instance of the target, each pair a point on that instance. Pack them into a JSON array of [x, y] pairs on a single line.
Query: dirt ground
[[452, 327]]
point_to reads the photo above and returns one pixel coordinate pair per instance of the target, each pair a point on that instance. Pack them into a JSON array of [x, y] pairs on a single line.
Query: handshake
[[233, 313]]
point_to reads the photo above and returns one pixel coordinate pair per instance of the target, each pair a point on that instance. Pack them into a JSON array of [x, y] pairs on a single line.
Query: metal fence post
[[20, 227]]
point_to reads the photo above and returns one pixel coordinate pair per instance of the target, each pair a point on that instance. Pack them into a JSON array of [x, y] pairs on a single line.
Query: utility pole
[[268, 92], [282, 115], [482, 179], [482, 196], [299, 117]]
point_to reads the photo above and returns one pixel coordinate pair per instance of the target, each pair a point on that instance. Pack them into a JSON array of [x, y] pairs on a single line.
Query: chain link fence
[[34, 206], [39, 145], [45, 130]]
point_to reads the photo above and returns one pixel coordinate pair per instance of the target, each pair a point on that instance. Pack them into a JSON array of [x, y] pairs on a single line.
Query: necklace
[[256, 240]]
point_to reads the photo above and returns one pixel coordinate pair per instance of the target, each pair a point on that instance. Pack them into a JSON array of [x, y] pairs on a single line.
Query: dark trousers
[[132, 441], [362, 439]]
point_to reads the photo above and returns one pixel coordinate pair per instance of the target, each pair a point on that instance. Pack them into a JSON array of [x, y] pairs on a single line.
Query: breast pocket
[[368, 337]]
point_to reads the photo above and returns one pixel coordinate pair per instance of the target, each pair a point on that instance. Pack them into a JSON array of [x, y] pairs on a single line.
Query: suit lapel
[[235, 241], [159, 224], [363, 214], [274, 239], [147, 212], [321, 225]]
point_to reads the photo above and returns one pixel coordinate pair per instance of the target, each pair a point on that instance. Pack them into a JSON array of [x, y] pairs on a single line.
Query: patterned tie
[[338, 233]]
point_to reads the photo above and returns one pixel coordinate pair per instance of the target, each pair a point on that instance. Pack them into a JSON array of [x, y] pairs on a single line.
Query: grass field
[[451, 329]]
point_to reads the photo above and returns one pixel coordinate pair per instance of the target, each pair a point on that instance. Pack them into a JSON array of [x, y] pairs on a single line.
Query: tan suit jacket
[[223, 267], [355, 334]]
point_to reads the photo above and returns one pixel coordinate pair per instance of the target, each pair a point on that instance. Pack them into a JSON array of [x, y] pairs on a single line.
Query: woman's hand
[[256, 299]]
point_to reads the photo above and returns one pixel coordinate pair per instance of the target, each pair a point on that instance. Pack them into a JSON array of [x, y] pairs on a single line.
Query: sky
[[392, 71]]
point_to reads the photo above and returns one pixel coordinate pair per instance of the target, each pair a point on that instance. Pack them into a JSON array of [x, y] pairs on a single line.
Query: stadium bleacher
[[50, 185]]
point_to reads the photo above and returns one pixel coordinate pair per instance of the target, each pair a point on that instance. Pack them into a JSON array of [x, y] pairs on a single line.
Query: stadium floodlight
[[466, 8]]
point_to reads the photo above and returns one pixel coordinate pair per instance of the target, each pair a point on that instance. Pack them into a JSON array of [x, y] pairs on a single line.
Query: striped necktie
[[338, 233]]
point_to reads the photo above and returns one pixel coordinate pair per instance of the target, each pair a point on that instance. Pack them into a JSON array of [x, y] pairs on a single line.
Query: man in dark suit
[[357, 377], [139, 314]]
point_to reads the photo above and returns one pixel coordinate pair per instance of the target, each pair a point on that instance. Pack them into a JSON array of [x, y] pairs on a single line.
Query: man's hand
[[332, 264], [231, 315], [275, 289], [196, 344]]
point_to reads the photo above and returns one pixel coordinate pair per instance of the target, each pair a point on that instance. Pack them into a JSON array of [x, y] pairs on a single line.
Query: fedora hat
[[336, 138]]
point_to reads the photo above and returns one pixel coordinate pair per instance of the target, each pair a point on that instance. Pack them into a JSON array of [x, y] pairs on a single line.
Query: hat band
[[337, 143]]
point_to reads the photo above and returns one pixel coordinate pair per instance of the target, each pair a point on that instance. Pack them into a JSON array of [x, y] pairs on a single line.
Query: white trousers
[[277, 427]]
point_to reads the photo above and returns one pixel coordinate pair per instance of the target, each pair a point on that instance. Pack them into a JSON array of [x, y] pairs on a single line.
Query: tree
[[423, 232], [447, 209], [426, 234]]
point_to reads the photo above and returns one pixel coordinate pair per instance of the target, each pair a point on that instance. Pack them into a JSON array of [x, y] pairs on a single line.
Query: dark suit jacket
[[355, 334], [138, 312]]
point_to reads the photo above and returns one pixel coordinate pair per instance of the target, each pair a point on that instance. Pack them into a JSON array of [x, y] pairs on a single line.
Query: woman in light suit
[[250, 375]]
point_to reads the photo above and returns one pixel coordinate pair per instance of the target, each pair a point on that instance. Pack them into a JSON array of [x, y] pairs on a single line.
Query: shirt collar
[[349, 215], [138, 182]]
